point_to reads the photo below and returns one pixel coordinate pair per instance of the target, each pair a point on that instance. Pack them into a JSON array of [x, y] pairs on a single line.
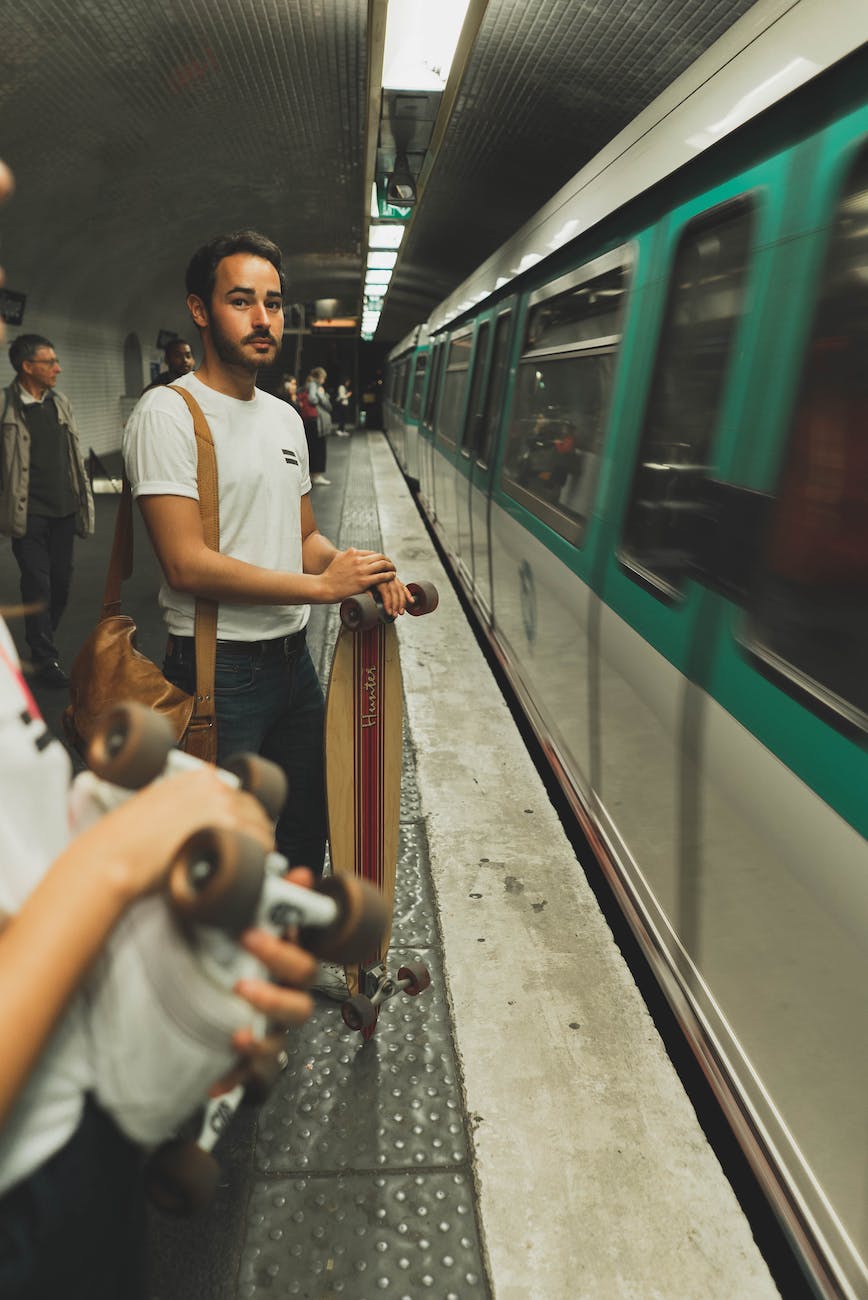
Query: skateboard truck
[[361, 1011]]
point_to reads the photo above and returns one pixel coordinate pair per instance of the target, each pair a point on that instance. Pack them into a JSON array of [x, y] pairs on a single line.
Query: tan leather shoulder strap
[[206, 610], [121, 559]]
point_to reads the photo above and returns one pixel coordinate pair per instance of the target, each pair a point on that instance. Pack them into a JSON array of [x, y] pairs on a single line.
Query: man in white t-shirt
[[273, 563]]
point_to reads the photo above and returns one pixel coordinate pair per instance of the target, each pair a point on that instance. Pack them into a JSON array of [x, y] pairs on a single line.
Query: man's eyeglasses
[[45, 361]]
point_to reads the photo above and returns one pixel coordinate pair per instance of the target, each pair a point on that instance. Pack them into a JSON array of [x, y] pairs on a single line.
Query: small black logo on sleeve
[[289, 456]]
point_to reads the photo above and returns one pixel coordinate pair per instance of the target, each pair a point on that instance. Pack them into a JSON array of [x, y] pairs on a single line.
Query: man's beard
[[233, 354]]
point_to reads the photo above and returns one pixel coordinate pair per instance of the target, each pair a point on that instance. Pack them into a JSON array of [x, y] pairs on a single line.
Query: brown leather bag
[[109, 670]]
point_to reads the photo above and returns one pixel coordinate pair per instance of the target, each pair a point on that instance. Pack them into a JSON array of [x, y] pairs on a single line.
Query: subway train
[[640, 433]]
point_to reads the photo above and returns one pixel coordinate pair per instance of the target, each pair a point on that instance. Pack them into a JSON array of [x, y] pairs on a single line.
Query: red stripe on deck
[[369, 662]]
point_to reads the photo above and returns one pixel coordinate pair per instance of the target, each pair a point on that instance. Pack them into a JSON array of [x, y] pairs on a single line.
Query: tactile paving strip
[[400, 1235], [361, 1177]]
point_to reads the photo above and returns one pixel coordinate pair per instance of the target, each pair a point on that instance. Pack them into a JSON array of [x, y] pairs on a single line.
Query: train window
[[454, 383], [418, 385], [474, 413], [705, 305], [809, 615], [563, 394], [434, 383], [495, 392]]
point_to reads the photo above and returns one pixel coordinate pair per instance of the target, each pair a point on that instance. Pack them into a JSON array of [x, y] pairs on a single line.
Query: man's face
[[179, 359], [245, 319], [41, 372]]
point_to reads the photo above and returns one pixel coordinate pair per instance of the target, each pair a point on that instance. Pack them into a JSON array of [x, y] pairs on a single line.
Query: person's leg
[[32, 554], [295, 742], [61, 541]]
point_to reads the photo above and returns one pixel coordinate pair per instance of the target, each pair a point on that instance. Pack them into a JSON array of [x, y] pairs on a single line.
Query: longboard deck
[[363, 732]]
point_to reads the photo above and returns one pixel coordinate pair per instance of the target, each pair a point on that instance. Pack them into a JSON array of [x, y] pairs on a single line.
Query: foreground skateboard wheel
[[426, 598], [419, 976], [360, 613], [130, 746], [363, 919], [216, 879], [261, 778], [181, 1178], [359, 1012]]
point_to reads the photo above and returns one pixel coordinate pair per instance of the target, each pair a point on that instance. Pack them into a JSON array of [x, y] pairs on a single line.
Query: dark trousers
[[269, 701], [316, 447], [76, 1227], [44, 556]]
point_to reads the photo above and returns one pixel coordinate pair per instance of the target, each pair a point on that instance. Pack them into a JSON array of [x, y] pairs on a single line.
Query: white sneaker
[[320, 480]]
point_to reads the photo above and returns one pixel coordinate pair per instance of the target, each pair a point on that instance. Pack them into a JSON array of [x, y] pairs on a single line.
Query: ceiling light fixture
[[421, 40]]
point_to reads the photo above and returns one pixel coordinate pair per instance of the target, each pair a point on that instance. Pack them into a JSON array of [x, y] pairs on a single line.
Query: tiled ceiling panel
[[547, 86], [139, 128]]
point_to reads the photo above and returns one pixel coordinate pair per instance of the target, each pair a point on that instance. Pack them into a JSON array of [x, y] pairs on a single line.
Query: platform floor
[[516, 1132]]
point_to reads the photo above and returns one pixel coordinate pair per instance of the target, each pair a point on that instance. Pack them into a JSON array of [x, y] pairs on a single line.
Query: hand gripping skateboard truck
[[364, 709], [160, 1001]]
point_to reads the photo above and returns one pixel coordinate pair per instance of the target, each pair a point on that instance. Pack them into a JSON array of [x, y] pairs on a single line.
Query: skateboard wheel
[[426, 598], [359, 1012], [362, 921], [262, 778], [420, 975], [360, 613], [181, 1178], [216, 879], [130, 746]]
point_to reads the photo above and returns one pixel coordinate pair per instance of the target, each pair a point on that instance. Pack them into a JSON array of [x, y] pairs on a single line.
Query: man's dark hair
[[175, 343], [202, 271], [25, 348]]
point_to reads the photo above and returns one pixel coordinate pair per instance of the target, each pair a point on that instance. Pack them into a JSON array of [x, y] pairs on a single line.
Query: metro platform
[[516, 1132]]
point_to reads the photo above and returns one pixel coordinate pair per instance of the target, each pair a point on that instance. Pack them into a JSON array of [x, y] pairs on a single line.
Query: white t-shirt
[[34, 786], [262, 474]]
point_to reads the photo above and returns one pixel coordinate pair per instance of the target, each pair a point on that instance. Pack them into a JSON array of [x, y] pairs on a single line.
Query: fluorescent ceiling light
[[421, 39], [385, 236], [382, 259], [378, 278], [375, 202]]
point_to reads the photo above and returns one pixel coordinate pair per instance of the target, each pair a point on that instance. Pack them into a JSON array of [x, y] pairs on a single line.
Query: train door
[[426, 429], [483, 431], [464, 461], [450, 416], [777, 923], [649, 614], [419, 368], [544, 525]]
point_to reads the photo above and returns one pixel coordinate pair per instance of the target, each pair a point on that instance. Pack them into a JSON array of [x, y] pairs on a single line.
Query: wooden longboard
[[363, 726]]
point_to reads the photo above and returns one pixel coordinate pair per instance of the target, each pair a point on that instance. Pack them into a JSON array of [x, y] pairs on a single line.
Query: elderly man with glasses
[[45, 495]]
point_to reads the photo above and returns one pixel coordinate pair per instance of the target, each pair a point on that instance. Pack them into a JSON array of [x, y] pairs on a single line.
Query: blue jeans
[[268, 701]]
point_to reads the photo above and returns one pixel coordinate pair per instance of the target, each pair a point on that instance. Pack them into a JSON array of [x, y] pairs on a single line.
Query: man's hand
[[352, 571], [395, 597]]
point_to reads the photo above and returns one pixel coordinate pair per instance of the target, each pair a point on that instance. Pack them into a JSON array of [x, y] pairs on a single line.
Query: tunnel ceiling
[[138, 128]]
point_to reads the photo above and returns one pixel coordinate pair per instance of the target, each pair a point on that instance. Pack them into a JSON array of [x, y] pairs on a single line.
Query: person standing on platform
[[288, 392], [273, 562], [178, 356], [315, 408], [344, 397], [45, 495]]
